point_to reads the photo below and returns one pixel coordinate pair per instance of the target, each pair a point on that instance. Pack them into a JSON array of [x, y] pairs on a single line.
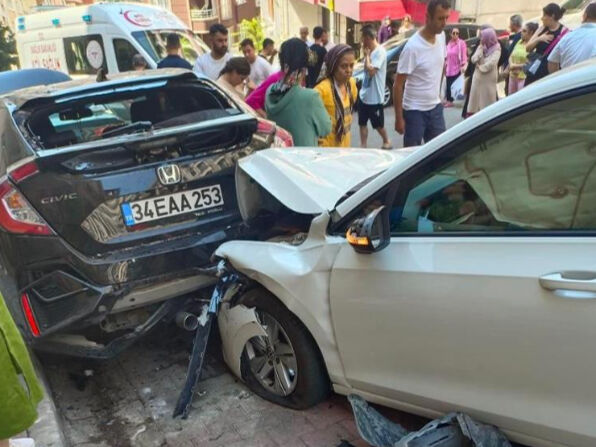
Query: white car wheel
[[286, 366]]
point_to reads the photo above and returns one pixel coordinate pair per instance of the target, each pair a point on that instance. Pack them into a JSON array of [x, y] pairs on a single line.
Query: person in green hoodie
[[297, 109], [20, 392]]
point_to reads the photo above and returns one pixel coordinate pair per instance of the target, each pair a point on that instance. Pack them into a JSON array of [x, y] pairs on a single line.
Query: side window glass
[[534, 172], [124, 52], [84, 54]]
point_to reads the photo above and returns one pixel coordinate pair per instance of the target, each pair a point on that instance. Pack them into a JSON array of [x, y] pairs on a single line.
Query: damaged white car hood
[[312, 180]]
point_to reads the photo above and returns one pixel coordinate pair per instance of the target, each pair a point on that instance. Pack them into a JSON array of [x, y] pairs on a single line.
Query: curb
[[47, 430]]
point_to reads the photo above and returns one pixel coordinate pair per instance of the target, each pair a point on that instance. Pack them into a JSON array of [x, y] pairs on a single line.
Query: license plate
[[172, 205]]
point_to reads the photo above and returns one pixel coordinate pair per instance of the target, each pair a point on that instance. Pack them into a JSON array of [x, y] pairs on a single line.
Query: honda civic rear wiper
[[139, 126]]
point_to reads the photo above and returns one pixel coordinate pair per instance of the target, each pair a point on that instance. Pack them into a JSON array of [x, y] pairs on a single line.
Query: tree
[[254, 30], [8, 49]]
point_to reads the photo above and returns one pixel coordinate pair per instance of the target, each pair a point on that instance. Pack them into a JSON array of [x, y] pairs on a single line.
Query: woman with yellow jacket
[[339, 92]]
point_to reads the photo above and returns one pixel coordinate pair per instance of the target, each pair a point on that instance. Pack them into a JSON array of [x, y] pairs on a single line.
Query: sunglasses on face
[[455, 33]]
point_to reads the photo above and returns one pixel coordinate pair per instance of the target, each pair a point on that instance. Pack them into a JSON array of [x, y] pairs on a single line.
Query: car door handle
[[571, 284]]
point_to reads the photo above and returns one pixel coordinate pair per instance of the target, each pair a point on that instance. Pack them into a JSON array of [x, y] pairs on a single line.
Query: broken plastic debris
[[453, 430], [243, 395]]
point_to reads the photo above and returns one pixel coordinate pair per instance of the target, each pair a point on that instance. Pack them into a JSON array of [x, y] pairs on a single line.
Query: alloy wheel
[[387, 96], [272, 359]]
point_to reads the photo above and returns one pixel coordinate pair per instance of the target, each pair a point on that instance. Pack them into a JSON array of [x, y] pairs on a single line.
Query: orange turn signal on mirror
[[354, 239]]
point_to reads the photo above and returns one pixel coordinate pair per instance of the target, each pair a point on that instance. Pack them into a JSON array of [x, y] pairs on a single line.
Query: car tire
[[311, 383], [388, 99]]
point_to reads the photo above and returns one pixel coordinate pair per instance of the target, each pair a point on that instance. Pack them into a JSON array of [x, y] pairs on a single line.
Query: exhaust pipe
[[187, 321]]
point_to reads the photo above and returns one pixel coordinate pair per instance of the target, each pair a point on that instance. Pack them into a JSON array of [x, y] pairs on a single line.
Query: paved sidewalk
[[47, 430], [128, 401]]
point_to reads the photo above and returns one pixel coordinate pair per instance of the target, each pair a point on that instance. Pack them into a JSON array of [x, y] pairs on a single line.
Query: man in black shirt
[[318, 53], [173, 59]]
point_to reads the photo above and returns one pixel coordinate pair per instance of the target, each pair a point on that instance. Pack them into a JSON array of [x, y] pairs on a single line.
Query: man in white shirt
[[417, 88], [211, 64], [372, 92], [578, 46], [260, 69]]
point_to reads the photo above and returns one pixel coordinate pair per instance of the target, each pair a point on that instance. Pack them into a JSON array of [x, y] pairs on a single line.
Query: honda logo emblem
[[169, 174]]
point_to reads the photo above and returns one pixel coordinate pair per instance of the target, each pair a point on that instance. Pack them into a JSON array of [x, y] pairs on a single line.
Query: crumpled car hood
[[312, 180]]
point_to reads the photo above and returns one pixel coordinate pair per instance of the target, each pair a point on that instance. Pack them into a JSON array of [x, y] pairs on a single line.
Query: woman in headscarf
[[339, 92], [298, 110], [484, 83]]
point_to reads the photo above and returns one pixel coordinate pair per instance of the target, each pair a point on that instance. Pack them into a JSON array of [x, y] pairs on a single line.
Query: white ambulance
[[82, 39]]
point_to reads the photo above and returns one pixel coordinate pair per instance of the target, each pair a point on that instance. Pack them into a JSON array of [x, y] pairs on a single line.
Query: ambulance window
[[124, 53], [84, 54]]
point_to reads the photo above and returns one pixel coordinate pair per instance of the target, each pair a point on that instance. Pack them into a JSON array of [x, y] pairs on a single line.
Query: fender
[[299, 277]]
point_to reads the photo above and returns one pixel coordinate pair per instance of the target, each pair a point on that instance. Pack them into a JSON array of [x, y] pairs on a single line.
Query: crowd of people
[[308, 87]]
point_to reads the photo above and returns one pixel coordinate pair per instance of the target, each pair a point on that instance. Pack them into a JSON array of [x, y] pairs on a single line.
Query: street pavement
[[452, 117], [128, 401]]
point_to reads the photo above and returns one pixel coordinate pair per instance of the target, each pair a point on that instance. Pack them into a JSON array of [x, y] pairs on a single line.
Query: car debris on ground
[[452, 430]]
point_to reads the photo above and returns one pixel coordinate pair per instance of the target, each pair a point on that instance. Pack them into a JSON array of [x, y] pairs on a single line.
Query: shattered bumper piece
[[453, 430]]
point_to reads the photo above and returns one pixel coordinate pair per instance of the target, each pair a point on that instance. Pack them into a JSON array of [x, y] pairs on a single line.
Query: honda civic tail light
[[17, 215], [28, 310], [281, 137]]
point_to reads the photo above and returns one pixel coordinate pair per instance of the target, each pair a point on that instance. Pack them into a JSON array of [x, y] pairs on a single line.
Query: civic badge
[[169, 174]]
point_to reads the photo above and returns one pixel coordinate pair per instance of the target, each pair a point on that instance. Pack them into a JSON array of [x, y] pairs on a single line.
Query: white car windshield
[[154, 43]]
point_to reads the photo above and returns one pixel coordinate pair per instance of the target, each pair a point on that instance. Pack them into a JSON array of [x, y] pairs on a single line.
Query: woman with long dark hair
[[544, 41], [338, 92]]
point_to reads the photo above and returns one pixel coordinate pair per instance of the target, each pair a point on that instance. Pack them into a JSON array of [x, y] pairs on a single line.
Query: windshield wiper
[[139, 126]]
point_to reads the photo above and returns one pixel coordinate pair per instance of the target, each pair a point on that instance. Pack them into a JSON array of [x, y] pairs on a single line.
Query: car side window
[[534, 172], [124, 52], [84, 54]]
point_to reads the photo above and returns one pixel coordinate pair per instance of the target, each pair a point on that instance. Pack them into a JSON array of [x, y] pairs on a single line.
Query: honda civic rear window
[[101, 116]]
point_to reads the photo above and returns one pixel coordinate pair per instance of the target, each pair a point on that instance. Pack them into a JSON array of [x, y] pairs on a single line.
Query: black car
[[111, 195], [395, 46], [29, 77]]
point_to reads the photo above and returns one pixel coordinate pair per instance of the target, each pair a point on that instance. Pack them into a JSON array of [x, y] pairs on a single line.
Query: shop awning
[[377, 10]]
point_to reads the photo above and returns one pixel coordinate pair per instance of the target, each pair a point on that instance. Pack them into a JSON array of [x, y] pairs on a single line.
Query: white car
[[457, 276]]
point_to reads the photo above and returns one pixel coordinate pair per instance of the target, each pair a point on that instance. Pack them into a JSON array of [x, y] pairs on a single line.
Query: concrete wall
[[497, 13], [283, 18], [300, 14]]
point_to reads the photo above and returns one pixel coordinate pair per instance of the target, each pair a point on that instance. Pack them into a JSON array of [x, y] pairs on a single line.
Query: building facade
[[11, 9], [344, 18], [199, 15], [497, 13]]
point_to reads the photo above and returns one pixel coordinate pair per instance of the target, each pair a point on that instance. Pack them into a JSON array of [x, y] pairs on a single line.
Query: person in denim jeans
[[417, 88]]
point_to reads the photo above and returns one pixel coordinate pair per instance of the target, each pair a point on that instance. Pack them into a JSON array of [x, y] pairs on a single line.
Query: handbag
[[534, 61], [536, 64]]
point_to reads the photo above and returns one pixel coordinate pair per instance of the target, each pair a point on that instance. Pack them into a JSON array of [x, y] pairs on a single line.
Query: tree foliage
[[253, 29], [8, 49]]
